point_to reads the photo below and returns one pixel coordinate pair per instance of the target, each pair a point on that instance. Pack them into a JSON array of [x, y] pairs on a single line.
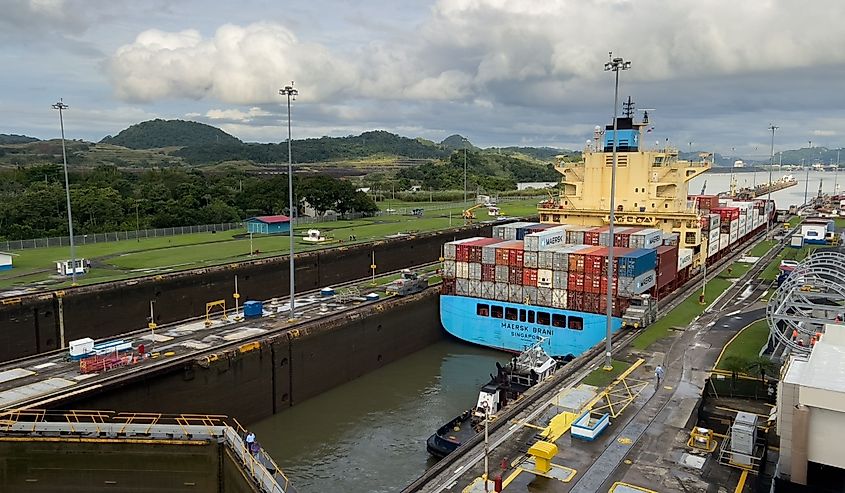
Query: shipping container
[[543, 240], [462, 270], [524, 230], [450, 248], [646, 238], [594, 260], [529, 295], [488, 272], [516, 257], [632, 286], [515, 275], [705, 202], [544, 296], [508, 231], [575, 281], [475, 288], [545, 259], [684, 258], [544, 278], [515, 293], [529, 259], [502, 293], [449, 269], [635, 262], [474, 271], [462, 287], [488, 290], [471, 251], [591, 236], [575, 236], [667, 265], [488, 254], [529, 277], [559, 298], [560, 279], [724, 241], [448, 287], [713, 236], [502, 273], [712, 249], [503, 251], [603, 285], [560, 255], [672, 239], [734, 237]]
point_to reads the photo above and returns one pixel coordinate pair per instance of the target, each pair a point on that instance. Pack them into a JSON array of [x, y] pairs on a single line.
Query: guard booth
[[68, 268]]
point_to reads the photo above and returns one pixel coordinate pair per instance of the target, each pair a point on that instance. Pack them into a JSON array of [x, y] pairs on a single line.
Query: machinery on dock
[[408, 283], [529, 368]]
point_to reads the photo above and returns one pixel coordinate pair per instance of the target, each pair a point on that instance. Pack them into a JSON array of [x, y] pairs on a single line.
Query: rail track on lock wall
[[579, 367]]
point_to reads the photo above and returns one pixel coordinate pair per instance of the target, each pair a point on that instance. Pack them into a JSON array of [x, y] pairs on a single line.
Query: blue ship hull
[[460, 317]]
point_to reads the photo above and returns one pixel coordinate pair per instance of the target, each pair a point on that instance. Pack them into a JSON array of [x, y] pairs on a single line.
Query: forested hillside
[[16, 139], [169, 133]]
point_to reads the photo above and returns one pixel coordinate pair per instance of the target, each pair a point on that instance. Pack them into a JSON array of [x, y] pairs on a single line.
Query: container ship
[[549, 279]]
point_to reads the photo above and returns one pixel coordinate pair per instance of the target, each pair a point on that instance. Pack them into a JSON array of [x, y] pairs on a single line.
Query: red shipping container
[[502, 256], [515, 275], [516, 257], [529, 277], [667, 265], [592, 236], [595, 260], [447, 287], [488, 272], [604, 285], [575, 281], [462, 253]]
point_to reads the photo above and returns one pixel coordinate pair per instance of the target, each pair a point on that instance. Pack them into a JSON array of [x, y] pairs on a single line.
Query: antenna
[[645, 113], [628, 108]]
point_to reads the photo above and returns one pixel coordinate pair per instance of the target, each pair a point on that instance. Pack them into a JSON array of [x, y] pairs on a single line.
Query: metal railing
[[258, 465]]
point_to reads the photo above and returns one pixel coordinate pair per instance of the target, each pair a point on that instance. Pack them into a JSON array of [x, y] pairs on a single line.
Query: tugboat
[[523, 372]]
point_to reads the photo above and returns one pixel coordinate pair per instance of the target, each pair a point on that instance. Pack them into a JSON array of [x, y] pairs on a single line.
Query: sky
[[715, 73]]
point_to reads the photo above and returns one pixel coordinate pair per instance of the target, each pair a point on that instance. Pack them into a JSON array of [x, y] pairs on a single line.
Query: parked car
[[788, 265]]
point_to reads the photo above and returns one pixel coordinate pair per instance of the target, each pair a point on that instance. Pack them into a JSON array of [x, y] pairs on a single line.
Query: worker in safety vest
[[794, 334]]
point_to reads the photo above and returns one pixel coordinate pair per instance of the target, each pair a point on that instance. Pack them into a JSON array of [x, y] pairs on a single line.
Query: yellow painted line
[[722, 353], [741, 484], [628, 487], [252, 346], [511, 477], [529, 425]]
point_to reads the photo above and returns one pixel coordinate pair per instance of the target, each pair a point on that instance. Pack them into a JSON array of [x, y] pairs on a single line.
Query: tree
[[735, 365]]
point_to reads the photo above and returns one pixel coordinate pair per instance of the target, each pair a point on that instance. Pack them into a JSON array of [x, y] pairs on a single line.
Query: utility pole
[[806, 181], [289, 91], [615, 65], [772, 127], [61, 106], [836, 175]]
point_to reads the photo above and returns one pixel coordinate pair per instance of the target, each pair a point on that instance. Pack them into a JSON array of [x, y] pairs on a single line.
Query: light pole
[[289, 91], [61, 106], [836, 175], [772, 127], [615, 65], [806, 180], [137, 223]]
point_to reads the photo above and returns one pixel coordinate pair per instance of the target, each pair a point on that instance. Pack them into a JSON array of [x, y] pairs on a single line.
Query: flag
[[649, 129]]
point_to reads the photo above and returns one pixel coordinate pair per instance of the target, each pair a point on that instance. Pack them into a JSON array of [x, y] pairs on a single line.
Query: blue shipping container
[[253, 309], [637, 262], [525, 230]]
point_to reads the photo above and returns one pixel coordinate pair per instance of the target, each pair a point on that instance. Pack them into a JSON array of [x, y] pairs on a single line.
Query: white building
[[739, 164], [811, 409], [526, 185], [6, 260]]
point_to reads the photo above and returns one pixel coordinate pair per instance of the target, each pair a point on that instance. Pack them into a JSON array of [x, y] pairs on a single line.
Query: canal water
[[720, 182], [369, 434]]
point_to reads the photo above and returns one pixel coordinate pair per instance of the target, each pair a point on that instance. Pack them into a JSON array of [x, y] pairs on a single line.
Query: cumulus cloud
[[236, 114]]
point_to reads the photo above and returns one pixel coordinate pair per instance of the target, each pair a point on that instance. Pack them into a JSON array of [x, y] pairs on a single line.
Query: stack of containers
[[575, 235], [729, 224], [512, 231], [646, 238], [705, 202], [637, 271], [667, 266]]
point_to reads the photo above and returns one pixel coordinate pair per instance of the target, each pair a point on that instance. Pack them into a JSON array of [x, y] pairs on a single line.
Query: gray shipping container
[[475, 271], [449, 269], [545, 239], [575, 236], [544, 296], [545, 259], [529, 293], [488, 290], [488, 254], [515, 293], [632, 286], [646, 238], [502, 272], [529, 259], [561, 257], [502, 291], [508, 231], [604, 238], [475, 288], [560, 279], [559, 298], [462, 287]]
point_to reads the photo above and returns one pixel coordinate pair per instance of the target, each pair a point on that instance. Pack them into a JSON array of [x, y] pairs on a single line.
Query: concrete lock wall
[[31, 324], [285, 369], [74, 466]]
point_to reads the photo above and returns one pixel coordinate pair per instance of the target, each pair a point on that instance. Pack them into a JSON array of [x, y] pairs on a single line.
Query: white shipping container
[[559, 298], [502, 272], [724, 241], [560, 279], [462, 287], [715, 221], [501, 291], [713, 236], [475, 288], [712, 248], [544, 296], [449, 269], [735, 227], [529, 295], [488, 290], [515, 293], [544, 278], [474, 271], [488, 254], [684, 258], [545, 259], [631, 286], [529, 259], [734, 237], [646, 238], [542, 240], [462, 270]]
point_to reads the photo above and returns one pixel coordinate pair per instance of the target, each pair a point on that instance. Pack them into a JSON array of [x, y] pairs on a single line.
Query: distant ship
[[523, 372], [549, 279]]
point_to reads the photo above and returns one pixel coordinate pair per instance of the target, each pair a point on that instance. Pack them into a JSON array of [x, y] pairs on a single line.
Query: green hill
[[456, 141], [16, 139], [170, 133]]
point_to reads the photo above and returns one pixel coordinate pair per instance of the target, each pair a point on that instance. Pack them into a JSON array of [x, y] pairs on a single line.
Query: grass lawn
[[770, 273], [762, 248], [602, 378], [747, 344], [131, 258], [682, 315], [737, 269], [839, 222]]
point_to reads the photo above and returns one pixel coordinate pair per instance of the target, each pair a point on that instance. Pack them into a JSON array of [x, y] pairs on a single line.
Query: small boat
[[523, 372]]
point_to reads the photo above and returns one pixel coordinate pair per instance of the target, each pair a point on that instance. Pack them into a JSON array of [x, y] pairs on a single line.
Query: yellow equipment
[[468, 215], [543, 452], [701, 439]]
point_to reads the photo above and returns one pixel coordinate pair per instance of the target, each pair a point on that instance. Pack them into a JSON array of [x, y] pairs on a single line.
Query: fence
[[60, 241]]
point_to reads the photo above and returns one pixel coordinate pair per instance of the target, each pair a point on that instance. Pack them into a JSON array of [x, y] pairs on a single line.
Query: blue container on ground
[[253, 309]]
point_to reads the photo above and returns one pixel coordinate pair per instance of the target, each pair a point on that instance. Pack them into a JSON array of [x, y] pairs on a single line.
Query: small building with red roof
[[268, 225]]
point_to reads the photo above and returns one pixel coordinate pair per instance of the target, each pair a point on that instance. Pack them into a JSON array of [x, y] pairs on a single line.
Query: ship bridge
[[652, 185]]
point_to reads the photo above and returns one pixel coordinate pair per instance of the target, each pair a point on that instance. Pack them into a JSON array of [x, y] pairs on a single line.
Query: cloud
[[237, 115], [824, 133]]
